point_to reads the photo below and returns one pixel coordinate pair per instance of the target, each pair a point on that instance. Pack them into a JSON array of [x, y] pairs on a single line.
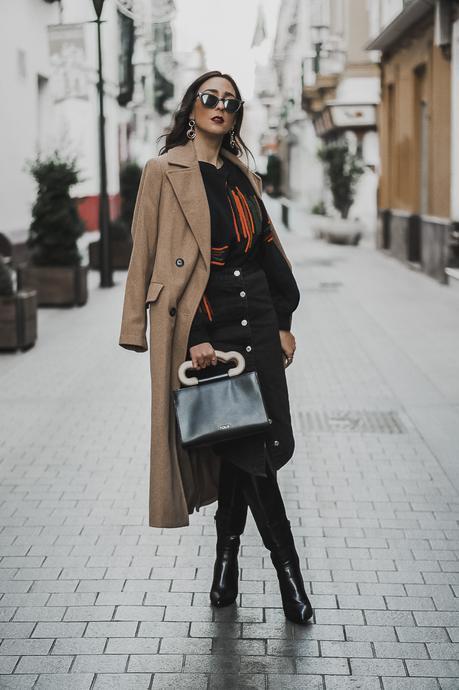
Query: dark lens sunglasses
[[209, 100]]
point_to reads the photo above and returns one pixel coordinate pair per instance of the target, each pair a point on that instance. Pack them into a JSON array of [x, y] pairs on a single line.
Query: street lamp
[[105, 261], [320, 32]]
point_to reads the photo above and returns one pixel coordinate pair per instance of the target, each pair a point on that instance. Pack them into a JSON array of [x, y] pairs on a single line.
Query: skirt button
[[237, 272], [242, 293], [244, 322], [276, 443], [249, 348]]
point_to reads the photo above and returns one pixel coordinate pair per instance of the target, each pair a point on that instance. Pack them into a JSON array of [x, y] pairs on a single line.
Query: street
[[93, 598]]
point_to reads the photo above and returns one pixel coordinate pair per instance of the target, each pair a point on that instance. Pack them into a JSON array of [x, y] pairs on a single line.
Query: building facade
[[49, 61], [418, 125], [341, 91]]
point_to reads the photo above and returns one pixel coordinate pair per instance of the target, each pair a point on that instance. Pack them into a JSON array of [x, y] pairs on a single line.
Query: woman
[[231, 288]]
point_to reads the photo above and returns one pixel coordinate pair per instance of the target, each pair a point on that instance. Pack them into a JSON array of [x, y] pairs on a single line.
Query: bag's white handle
[[222, 356]]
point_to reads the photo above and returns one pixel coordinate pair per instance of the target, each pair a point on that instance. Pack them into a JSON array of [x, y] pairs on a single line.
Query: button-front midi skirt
[[242, 318]]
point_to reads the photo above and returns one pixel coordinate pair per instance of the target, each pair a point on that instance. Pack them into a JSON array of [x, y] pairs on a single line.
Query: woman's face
[[214, 120]]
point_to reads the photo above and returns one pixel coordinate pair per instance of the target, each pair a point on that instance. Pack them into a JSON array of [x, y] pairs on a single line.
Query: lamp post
[[106, 277]]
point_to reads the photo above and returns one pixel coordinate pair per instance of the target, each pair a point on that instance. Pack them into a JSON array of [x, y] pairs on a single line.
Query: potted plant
[[272, 182], [18, 313], [120, 228], [54, 268], [343, 170]]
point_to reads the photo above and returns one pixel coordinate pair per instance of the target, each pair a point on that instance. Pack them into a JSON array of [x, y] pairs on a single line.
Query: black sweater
[[240, 232]]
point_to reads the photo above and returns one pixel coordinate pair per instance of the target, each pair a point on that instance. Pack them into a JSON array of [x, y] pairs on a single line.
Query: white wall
[[23, 55], [29, 123]]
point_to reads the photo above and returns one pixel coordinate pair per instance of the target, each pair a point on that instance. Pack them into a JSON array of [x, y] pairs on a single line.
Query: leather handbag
[[221, 407]]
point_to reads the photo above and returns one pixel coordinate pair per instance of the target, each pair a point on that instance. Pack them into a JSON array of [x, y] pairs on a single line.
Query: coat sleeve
[[282, 284], [144, 231]]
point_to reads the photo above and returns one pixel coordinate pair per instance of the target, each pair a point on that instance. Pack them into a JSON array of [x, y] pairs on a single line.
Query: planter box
[[435, 246], [18, 320], [56, 286], [342, 231], [120, 251]]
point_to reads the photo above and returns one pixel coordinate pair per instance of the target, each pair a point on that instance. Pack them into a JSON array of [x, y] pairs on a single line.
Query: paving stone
[[7, 664], [294, 682], [100, 663], [17, 682], [410, 684], [434, 668], [25, 647], [79, 645], [377, 667], [355, 683], [44, 664], [59, 681], [237, 681], [182, 681], [131, 681], [346, 649], [152, 663]]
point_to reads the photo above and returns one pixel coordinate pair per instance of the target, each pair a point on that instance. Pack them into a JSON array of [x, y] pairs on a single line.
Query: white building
[[328, 85], [48, 52]]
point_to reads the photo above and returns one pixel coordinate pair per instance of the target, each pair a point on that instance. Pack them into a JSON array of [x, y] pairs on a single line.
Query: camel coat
[[167, 277]]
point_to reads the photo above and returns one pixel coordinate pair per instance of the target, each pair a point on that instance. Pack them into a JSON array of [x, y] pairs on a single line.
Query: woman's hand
[[202, 355], [288, 345]]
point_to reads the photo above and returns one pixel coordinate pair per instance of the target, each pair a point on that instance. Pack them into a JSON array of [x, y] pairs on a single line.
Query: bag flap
[[153, 291]]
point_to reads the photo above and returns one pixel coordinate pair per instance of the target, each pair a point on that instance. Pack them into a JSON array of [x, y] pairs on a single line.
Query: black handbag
[[221, 407]]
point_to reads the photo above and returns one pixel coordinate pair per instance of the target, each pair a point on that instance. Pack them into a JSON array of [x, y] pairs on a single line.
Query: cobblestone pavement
[[91, 597]]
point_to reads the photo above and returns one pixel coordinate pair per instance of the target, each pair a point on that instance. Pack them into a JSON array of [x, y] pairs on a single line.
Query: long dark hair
[[176, 134]]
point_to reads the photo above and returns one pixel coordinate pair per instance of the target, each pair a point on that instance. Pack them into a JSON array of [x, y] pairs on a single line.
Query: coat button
[[276, 443], [179, 261], [242, 293], [172, 311], [244, 322], [249, 348], [237, 272]]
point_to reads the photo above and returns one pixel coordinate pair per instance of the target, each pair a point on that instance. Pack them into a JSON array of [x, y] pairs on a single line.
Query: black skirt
[[244, 319]]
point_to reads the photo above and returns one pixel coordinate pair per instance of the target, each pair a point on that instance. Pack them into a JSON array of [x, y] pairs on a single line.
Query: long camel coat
[[167, 276]]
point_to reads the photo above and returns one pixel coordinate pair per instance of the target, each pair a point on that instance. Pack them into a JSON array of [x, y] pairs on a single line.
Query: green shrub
[[343, 169], [130, 174], [56, 225]]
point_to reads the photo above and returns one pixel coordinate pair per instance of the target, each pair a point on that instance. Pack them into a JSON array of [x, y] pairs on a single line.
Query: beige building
[[418, 141], [342, 94]]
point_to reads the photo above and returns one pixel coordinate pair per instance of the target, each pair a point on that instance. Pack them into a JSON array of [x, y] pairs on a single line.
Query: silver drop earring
[[191, 133], [232, 138]]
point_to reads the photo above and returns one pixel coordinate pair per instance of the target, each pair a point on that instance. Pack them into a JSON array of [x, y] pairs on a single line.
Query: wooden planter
[[121, 254], [18, 320], [56, 286]]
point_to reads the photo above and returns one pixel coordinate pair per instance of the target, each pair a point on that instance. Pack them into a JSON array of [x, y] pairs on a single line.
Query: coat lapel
[[185, 177]]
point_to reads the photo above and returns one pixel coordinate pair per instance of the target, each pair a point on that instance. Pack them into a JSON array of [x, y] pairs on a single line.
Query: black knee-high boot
[[284, 557], [230, 520], [265, 502]]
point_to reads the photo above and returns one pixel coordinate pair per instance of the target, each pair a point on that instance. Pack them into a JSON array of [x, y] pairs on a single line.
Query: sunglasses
[[209, 100]]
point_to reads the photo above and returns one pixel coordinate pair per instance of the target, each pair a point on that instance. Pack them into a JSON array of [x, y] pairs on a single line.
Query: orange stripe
[[248, 216], [219, 263], [243, 219], [219, 249], [235, 223], [207, 307]]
